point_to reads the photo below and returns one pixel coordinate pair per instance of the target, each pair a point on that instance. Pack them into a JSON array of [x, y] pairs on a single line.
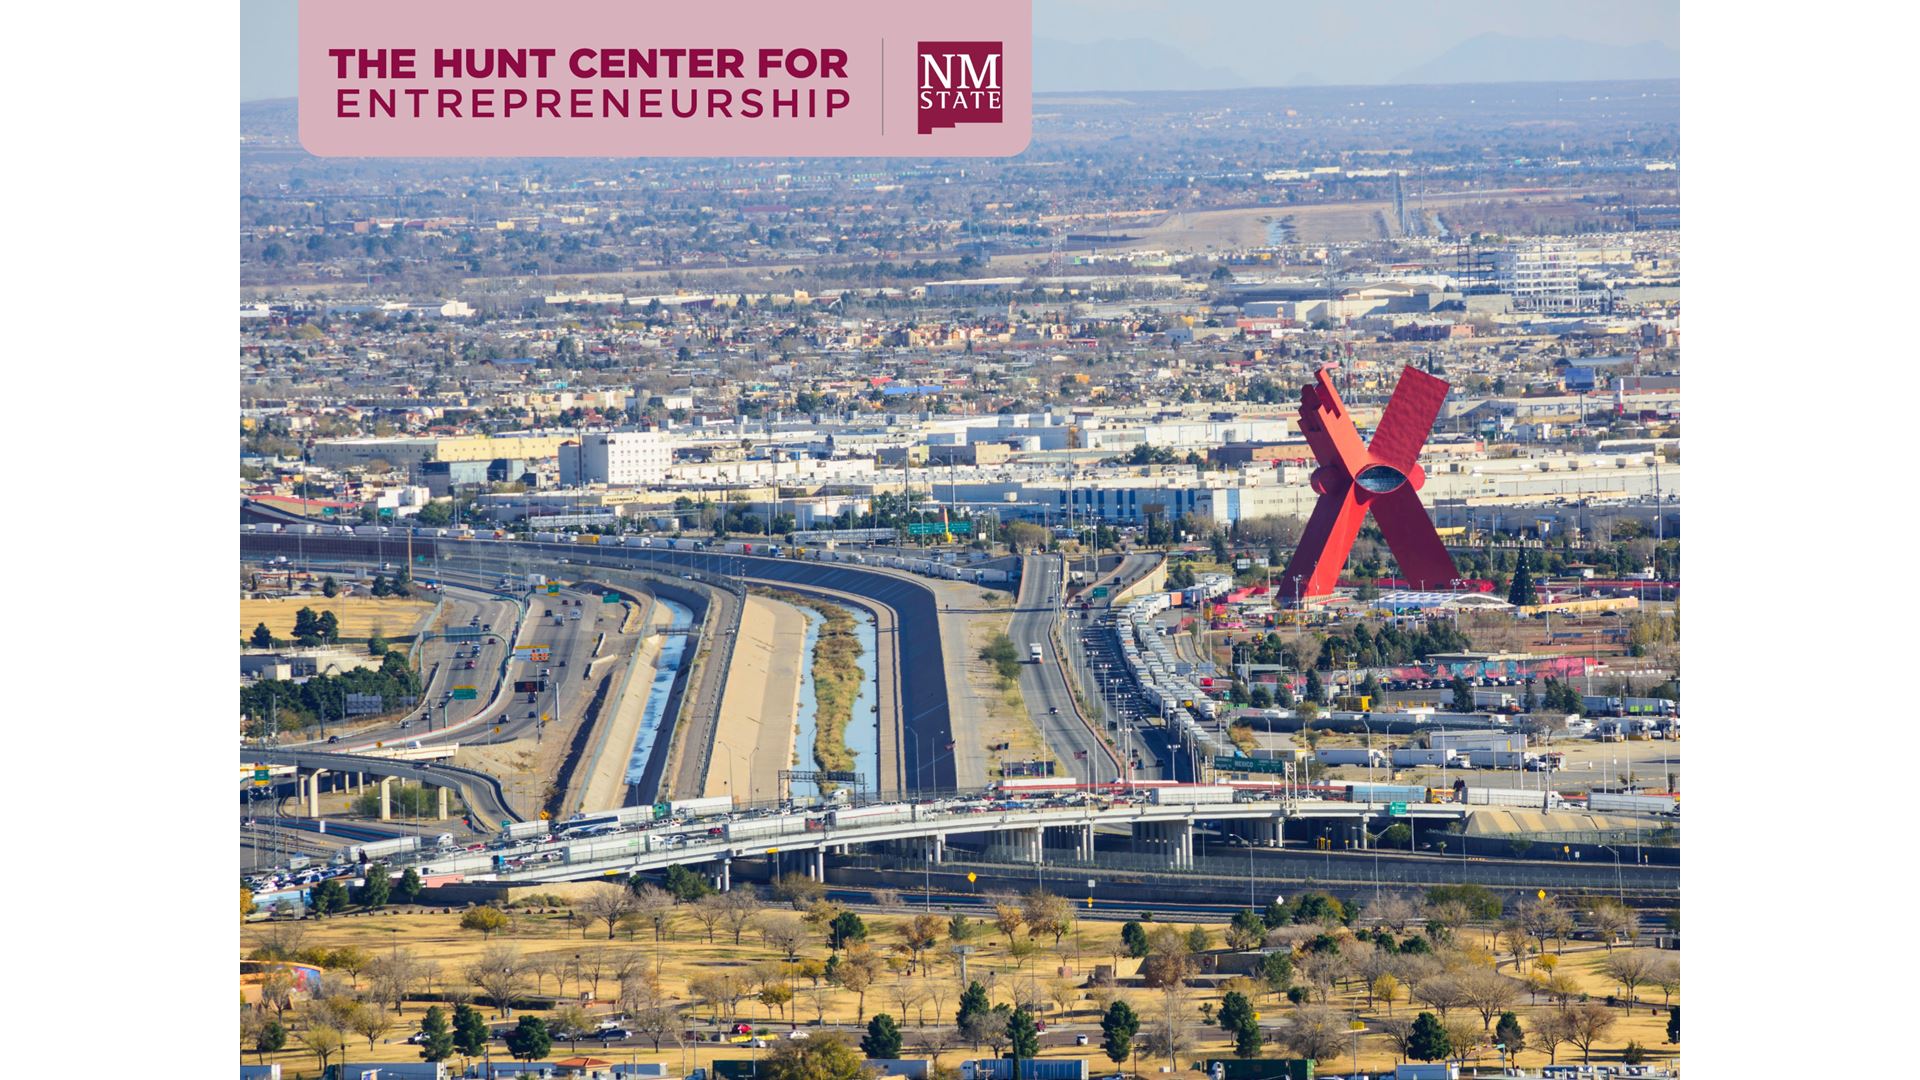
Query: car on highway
[[331, 739], [799, 1033]]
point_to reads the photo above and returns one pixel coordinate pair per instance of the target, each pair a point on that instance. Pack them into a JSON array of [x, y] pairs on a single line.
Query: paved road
[[481, 792], [922, 677], [1043, 685]]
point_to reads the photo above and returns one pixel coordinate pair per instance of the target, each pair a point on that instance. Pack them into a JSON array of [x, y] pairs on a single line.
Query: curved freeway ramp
[[481, 792]]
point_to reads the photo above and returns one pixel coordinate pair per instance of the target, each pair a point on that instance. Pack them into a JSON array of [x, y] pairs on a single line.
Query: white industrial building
[[615, 457]]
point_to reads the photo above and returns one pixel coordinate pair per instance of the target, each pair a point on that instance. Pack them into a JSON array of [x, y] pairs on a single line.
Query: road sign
[[610, 598], [553, 588], [260, 772], [505, 823], [1099, 591], [1397, 809], [1542, 894], [466, 693], [971, 877], [544, 815]]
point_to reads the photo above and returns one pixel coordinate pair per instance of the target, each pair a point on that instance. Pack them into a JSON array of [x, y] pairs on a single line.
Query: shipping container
[[1349, 757], [1407, 757], [1030, 1069], [778, 825], [523, 830]]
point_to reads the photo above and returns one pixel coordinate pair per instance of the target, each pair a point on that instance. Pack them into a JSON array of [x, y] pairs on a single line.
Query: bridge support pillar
[[386, 798], [313, 793], [443, 804], [1033, 847], [1183, 855], [817, 865], [1083, 843], [937, 849], [726, 875]]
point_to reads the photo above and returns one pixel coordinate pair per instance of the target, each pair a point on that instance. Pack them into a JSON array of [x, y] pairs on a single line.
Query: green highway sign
[[610, 598], [553, 587], [934, 528], [1250, 764], [466, 693], [1099, 590], [1397, 809], [260, 775]]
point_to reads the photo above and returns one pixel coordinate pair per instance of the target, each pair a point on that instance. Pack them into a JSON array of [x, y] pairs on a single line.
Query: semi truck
[[884, 814], [704, 807], [1191, 795], [1661, 805]]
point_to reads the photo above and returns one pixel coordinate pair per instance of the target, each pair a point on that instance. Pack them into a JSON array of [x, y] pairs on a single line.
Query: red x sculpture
[[1382, 478]]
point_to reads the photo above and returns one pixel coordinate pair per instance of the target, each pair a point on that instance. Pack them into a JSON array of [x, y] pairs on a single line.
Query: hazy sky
[[1261, 42]]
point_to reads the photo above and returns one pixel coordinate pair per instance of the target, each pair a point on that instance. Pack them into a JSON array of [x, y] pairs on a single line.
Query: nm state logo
[[959, 83]]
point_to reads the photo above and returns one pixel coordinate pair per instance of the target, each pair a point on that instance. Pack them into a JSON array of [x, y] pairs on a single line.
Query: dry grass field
[[566, 957], [359, 616]]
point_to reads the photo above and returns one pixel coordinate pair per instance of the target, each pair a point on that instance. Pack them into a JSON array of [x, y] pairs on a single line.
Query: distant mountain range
[[1139, 64], [1492, 58]]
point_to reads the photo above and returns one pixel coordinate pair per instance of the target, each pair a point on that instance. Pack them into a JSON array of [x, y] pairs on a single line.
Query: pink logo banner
[[618, 78]]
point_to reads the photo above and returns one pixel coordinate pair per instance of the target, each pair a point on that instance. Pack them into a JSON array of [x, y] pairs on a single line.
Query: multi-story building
[[615, 457]]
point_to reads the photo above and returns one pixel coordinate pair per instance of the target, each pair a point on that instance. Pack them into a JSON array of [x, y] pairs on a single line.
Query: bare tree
[[884, 898], [906, 994], [1440, 991], [785, 936], [1170, 1032], [1550, 1029], [1666, 976], [607, 902], [501, 974], [934, 1041], [738, 909], [1316, 1032], [1587, 1023], [323, 1040], [1007, 915], [1631, 968], [1393, 911], [1488, 991], [371, 1023], [708, 911], [1399, 1033], [655, 905]]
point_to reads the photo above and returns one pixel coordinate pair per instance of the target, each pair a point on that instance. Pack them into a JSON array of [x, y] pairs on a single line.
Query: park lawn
[[435, 935], [359, 616]]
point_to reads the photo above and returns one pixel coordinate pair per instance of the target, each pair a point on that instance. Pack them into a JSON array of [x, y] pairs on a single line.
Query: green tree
[[973, 1002], [882, 1039], [377, 644], [410, 886], [329, 626], [1316, 691], [272, 1038], [1134, 937], [685, 885], [845, 929], [484, 918], [1118, 1027], [1277, 969], [1023, 1038], [529, 1040], [1520, 592], [329, 588], [1509, 1034], [329, 896], [436, 1043], [262, 637], [1673, 1025], [306, 627], [1236, 1018], [379, 886], [1462, 694], [470, 1032], [823, 1057], [1428, 1041]]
